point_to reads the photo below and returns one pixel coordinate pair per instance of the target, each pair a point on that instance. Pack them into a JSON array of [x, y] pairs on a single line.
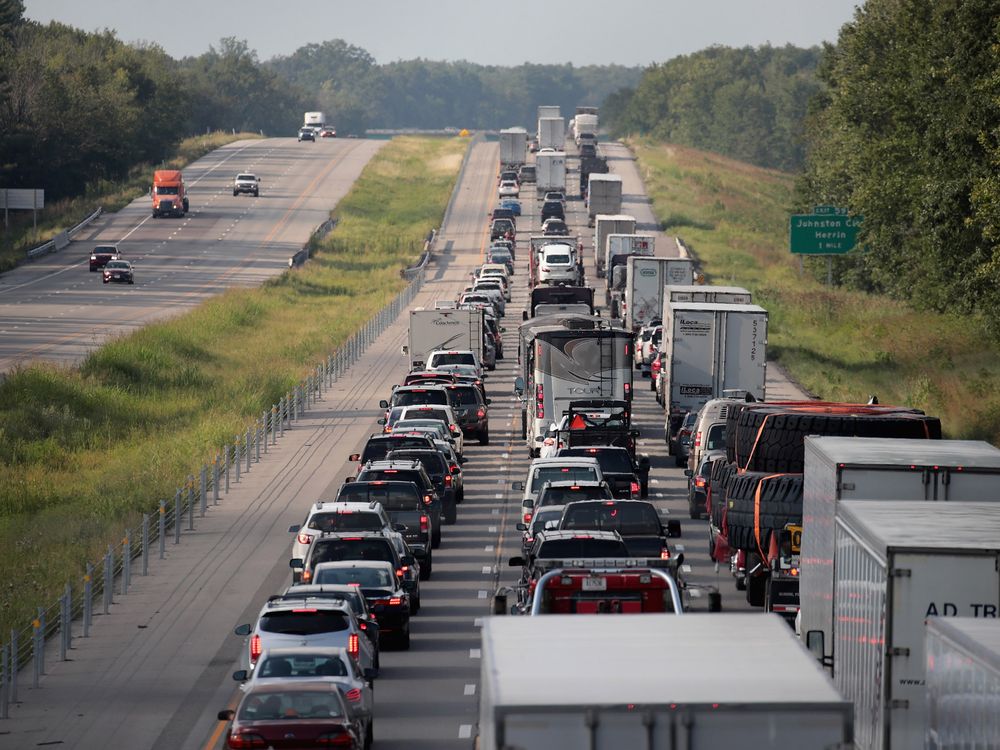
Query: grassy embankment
[[839, 344], [112, 195], [84, 452]]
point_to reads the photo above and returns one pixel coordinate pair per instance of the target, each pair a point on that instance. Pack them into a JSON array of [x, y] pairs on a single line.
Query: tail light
[[527, 517], [427, 499], [447, 480], [664, 554], [306, 575], [481, 413], [539, 401], [699, 482], [304, 539], [634, 486], [255, 649], [424, 524], [395, 601], [399, 572], [245, 741], [353, 695], [697, 439], [353, 645], [335, 739]]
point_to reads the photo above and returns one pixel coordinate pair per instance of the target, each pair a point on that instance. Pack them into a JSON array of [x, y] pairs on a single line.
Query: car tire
[[652, 382], [436, 538], [680, 460], [644, 489], [693, 511], [741, 583], [131, 281], [415, 606], [760, 504], [426, 568], [484, 437], [460, 497], [756, 587], [235, 193], [404, 638], [451, 515], [256, 193]]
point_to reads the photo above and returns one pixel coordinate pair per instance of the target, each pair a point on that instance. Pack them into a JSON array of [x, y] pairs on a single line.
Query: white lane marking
[[679, 547], [655, 481], [487, 569], [695, 594], [478, 622], [464, 731], [504, 455], [470, 689], [483, 594], [492, 530], [488, 548], [475, 653], [658, 494]]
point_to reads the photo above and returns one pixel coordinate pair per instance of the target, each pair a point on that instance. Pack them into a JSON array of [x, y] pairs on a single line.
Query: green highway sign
[[826, 231]]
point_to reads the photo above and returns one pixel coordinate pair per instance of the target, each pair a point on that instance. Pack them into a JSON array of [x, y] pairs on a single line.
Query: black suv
[[378, 446], [437, 468], [470, 409], [408, 471], [553, 210], [404, 505], [627, 477]]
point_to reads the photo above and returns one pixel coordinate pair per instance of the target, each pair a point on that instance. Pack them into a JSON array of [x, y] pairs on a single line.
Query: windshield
[[246, 177], [564, 495], [627, 518], [464, 396], [582, 547], [397, 475], [282, 706], [716, 438], [335, 550], [610, 461], [456, 358], [434, 463], [545, 474], [117, 264], [166, 190], [301, 665], [304, 621], [392, 496], [346, 521], [417, 397], [427, 415], [364, 577]]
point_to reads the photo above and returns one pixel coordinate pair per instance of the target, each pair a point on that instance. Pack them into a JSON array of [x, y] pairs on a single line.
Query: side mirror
[[528, 504], [489, 401], [405, 349], [815, 642], [519, 385], [354, 457], [521, 527], [294, 527], [674, 529], [515, 562], [295, 562], [688, 473], [633, 433], [240, 675], [227, 715], [243, 629], [348, 480], [381, 421], [383, 404], [503, 330], [462, 459], [517, 486]]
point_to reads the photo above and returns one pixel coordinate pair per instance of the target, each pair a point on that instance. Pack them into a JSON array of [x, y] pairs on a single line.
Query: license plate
[[595, 584]]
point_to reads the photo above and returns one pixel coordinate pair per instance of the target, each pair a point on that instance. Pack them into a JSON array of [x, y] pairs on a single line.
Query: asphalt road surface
[[155, 672], [54, 309]]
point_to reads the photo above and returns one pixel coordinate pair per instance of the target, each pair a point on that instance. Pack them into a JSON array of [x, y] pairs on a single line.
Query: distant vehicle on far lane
[[307, 134], [119, 271], [101, 254]]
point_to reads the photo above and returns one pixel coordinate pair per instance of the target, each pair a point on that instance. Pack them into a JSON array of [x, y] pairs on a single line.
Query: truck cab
[[169, 195]]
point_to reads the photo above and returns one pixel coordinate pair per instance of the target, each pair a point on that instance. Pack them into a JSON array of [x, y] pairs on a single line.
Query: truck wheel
[[235, 193], [427, 568], [759, 504], [436, 538], [185, 205], [644, 488], [404, 638], [451, 514], [755, 586], [484, 437], [256, 193]]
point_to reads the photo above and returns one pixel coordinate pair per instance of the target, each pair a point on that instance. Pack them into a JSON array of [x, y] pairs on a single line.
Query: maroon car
[[292, 715], [100, 256]]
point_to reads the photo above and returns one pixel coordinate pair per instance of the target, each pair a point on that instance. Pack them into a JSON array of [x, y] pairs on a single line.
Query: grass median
[[839, 344], [84, 451]]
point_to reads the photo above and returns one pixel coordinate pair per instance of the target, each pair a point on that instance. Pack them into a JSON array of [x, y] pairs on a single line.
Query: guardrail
[[299, 259], [62, 239], [71, 615]]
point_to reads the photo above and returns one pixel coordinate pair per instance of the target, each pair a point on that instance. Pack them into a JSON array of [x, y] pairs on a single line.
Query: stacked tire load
[[759, 490]]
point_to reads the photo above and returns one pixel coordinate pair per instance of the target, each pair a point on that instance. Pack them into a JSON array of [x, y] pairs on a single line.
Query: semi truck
[[863, 469], [899, 564], [729, 295], [585, 125], [963, 683], [606, 683], [708, 349], [550, 171], [604, 225], [645, 281], [169, 194], [314, 120], [604, 195], [620, 247], [432, 330], [551, 133], [513, 147]]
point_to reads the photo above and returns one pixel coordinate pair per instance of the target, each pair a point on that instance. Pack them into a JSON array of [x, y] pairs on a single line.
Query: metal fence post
[[265, 421], [226, 465], [126, 562], [65, 623], [256, 441], [237, 459], [177, 516], [15, 665], [4, 672], [36, 664], [161, 531], [281, 417], [39, 644], [190, 502], [109, 573], [248, 453], [215, 481], [274, 421], [88, 599], [203, 490], [145, 544]]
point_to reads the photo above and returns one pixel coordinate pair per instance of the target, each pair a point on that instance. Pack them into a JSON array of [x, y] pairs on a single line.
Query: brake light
[[697, 439], [427, 499], [255, 648], [634, 486], [527, 517], [699, 481], [664, 554], [335, 739], [447, 480], [399, 572], [306, 576], [304, 539], [395, 601], [245, 741], [481, 413], [353, 695], [424, 524], [353, 645], [305, 609]]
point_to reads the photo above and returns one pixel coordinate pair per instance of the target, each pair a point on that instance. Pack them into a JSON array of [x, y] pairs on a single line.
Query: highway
[[155, 672], [53, 309]]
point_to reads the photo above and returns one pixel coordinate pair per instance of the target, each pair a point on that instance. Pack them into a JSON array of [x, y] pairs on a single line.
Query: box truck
[[442, 329], [726, 295], [314, 120], [604, 225], [861, 469], [645, 281], [963, 683], [604, 195], [513, 147], [551, 133], [620, 247], [899, 563], [550, 171], [708, 349], [585, 125], [608, 683], [169, 193], [548, 110]]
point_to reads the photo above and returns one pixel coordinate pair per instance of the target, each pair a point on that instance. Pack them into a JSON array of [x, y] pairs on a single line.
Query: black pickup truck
[[626, 476], [636, 521]]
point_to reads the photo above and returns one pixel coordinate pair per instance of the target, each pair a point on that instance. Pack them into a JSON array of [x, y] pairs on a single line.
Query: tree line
[[906, 133], [747, 103]]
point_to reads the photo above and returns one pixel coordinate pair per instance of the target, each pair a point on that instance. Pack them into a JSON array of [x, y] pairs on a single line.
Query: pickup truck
[[626, 476], [246, 182], [637, 521]]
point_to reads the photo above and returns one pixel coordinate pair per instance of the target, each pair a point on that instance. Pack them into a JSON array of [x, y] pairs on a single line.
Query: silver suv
[[337, 516], [246, 182]]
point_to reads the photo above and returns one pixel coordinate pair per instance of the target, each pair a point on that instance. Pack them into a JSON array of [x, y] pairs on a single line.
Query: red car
[[101, 254], [119, 271], [303, 715]]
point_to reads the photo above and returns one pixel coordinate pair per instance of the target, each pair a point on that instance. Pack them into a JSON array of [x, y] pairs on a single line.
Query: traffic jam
[[806, 510]]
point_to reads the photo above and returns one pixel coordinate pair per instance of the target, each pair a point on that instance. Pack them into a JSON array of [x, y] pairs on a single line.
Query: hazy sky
[[498, 32]]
